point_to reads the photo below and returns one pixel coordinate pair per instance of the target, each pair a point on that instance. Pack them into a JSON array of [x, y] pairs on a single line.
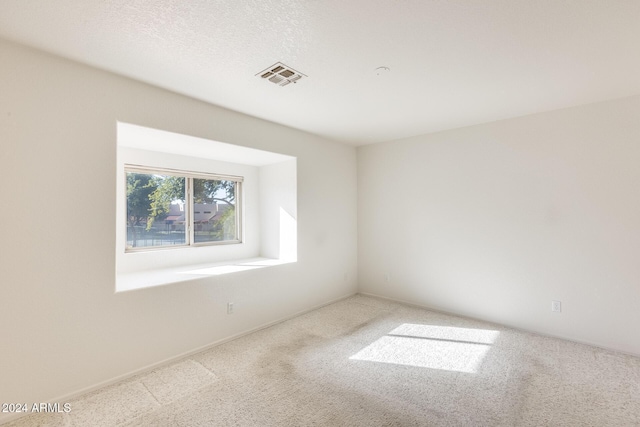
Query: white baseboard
[[6, 418], [517, 328]]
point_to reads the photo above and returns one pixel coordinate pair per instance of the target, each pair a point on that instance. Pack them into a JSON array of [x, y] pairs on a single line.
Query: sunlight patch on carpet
[[428, 346]]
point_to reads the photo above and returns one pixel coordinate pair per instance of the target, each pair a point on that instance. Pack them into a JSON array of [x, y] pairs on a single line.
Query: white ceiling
[[453, 62]]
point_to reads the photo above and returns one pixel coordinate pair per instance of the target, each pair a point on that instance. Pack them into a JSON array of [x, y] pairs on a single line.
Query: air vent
[[281, 74]]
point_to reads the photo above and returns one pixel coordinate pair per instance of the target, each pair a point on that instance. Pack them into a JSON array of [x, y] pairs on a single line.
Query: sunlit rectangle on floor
[[434, 347], [475, 336]]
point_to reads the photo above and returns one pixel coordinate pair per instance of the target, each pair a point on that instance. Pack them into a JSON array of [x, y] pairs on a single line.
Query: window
[[261, 217], [170, 208]]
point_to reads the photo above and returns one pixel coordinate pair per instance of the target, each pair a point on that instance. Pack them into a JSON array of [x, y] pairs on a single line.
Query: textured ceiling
[[453, 63]]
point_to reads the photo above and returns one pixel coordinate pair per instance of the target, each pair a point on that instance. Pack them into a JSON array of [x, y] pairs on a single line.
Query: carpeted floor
[[370, 362]]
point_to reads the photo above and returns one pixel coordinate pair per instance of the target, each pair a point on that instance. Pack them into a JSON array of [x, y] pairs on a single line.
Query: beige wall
[[63, 327], [495, 221]]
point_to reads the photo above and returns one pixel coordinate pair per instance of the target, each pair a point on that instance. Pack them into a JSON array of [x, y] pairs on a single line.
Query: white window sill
[[166, 276]]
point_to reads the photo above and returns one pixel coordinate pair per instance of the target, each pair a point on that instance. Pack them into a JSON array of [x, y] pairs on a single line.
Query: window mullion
[[190, 211], [239, 204]]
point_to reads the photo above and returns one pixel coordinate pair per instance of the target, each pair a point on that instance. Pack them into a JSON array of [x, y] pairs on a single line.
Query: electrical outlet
[[230, 308], [556, 306]]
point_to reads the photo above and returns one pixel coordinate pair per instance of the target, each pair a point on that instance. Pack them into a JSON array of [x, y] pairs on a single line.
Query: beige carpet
[[369, 362]]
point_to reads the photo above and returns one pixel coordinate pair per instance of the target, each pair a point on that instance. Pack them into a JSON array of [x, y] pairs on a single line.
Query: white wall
[[63, 327], [495, 221], [277, 185]]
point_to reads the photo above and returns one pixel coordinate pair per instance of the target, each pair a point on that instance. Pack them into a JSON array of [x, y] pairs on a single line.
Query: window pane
[[214, 210], [155, 210]]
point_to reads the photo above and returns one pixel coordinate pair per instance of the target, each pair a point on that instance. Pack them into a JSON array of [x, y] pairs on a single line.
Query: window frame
[[189, 176]]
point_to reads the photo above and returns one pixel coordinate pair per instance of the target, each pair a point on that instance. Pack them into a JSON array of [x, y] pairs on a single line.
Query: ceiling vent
[[281, 74]]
